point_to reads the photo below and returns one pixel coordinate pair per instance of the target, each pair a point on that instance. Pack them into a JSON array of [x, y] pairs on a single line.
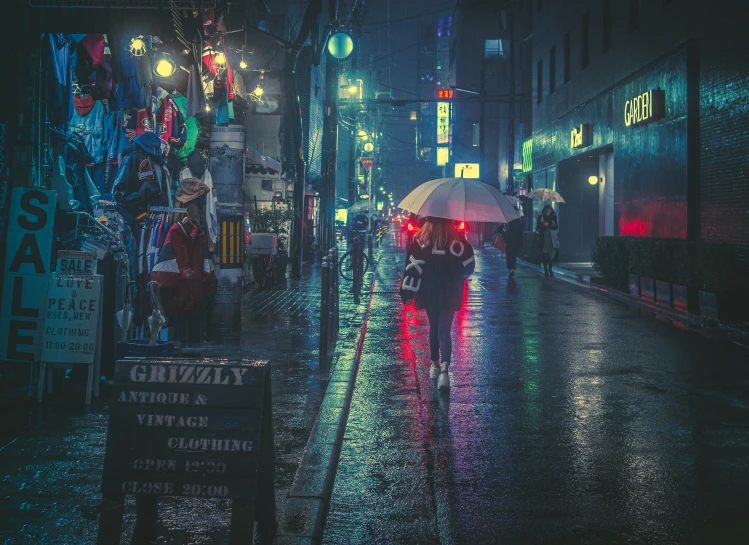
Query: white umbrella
[[459, 199], [362, 207], [545, 194]]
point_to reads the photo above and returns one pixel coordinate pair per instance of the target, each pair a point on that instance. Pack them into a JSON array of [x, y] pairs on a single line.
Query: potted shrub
[[682, 277], [611, 261], [718, 280], [641, 264], [662, 252]]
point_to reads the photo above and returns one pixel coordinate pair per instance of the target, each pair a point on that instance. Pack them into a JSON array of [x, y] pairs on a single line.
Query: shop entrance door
[[578, 217]]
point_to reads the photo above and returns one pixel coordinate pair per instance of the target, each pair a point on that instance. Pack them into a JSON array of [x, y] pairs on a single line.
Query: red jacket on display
[[185, 276]]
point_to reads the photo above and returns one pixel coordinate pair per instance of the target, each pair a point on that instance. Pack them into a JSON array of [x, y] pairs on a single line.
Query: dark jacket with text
[[434, 277]]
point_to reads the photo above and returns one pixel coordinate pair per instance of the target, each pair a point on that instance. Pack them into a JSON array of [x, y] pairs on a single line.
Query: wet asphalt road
[[571, 420]]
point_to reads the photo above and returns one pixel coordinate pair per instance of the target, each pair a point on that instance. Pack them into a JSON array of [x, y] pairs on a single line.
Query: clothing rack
[[167, 210]]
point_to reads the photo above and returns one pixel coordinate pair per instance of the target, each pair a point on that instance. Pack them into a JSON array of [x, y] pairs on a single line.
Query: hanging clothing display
[[126, 135], [59, 88], [91, 127], [75, 157], [170, 125], [192, 129], [127, 73], [184, 274], [196, 169], [195, 93], [141, 180]]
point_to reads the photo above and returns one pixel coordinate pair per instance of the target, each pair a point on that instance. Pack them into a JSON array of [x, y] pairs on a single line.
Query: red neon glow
[[660, 218], [413, 227]]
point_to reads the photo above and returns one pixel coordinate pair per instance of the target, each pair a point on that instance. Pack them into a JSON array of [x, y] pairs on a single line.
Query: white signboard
[[77, 263], [72, 318]]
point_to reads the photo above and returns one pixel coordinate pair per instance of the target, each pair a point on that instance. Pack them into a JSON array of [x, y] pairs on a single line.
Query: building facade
[[639, 120]]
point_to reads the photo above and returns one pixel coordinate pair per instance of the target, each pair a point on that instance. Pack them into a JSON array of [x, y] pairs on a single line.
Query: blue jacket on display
[[93, 128]]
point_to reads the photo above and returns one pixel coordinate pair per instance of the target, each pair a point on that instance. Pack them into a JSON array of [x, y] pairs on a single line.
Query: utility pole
[[511, 131], [482, 114], [329, 144]]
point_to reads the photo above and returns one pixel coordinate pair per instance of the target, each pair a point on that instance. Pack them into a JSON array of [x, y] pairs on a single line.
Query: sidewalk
[[583, 275], [51, 467]]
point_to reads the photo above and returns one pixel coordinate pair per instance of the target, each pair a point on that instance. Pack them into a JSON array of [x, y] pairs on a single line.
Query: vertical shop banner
[[28, 256], [72, 317]]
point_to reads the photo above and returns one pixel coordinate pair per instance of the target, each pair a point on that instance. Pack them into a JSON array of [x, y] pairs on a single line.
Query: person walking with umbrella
[[546, 227], [437, 264]]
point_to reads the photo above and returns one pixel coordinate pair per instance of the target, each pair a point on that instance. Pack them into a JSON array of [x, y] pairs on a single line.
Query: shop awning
[[258, 158]]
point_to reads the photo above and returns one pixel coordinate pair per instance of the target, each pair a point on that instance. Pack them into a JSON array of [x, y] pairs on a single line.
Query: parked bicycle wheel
[[346, 266]]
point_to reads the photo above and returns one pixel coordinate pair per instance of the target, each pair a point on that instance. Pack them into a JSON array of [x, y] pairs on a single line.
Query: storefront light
[[164, 67], [137, 46], [258, 92], [220, 59], [593, 180]]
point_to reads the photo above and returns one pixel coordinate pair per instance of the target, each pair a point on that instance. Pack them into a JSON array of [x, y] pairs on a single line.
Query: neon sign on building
[[443, 122]]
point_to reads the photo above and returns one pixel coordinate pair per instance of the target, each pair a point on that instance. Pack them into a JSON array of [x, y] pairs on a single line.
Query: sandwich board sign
[[198, 428]]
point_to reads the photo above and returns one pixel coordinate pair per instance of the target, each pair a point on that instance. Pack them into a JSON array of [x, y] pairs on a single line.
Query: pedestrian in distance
[[437, 264], [548, 243], [512, 233]]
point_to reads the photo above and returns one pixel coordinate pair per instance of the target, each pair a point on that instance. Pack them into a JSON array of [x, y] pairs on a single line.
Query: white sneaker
[[444, 382], [434, 371]]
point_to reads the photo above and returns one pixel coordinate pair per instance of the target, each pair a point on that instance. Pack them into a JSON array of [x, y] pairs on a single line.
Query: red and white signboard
[[367, 162]]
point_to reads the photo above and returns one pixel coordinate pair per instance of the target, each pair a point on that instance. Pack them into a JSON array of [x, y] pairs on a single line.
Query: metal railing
[[329, 307]]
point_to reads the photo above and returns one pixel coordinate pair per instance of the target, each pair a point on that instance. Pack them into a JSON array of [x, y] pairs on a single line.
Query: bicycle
[[354, 257], [380, 234]]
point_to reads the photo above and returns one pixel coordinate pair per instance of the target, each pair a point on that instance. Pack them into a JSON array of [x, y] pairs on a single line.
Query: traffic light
[[444, 93]]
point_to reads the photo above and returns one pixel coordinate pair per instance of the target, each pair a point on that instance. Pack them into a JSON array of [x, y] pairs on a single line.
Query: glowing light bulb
[[165, 67], [242, 64], [353, 89], [207, 108], [220, 58], [258, 91], [137, 46]]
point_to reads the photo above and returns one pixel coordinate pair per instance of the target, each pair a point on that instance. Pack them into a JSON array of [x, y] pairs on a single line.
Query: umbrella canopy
[[363, 208], [545, 194], [516, 203], [459, 199]]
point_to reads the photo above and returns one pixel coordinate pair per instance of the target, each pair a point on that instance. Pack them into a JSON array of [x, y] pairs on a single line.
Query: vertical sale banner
[[28, 257]]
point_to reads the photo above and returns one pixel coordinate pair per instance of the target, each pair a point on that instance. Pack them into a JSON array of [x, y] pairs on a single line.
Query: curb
[[306, 511], [695, 323]]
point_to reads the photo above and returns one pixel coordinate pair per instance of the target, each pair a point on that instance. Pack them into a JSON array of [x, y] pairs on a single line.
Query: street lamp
[[340, 45]]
